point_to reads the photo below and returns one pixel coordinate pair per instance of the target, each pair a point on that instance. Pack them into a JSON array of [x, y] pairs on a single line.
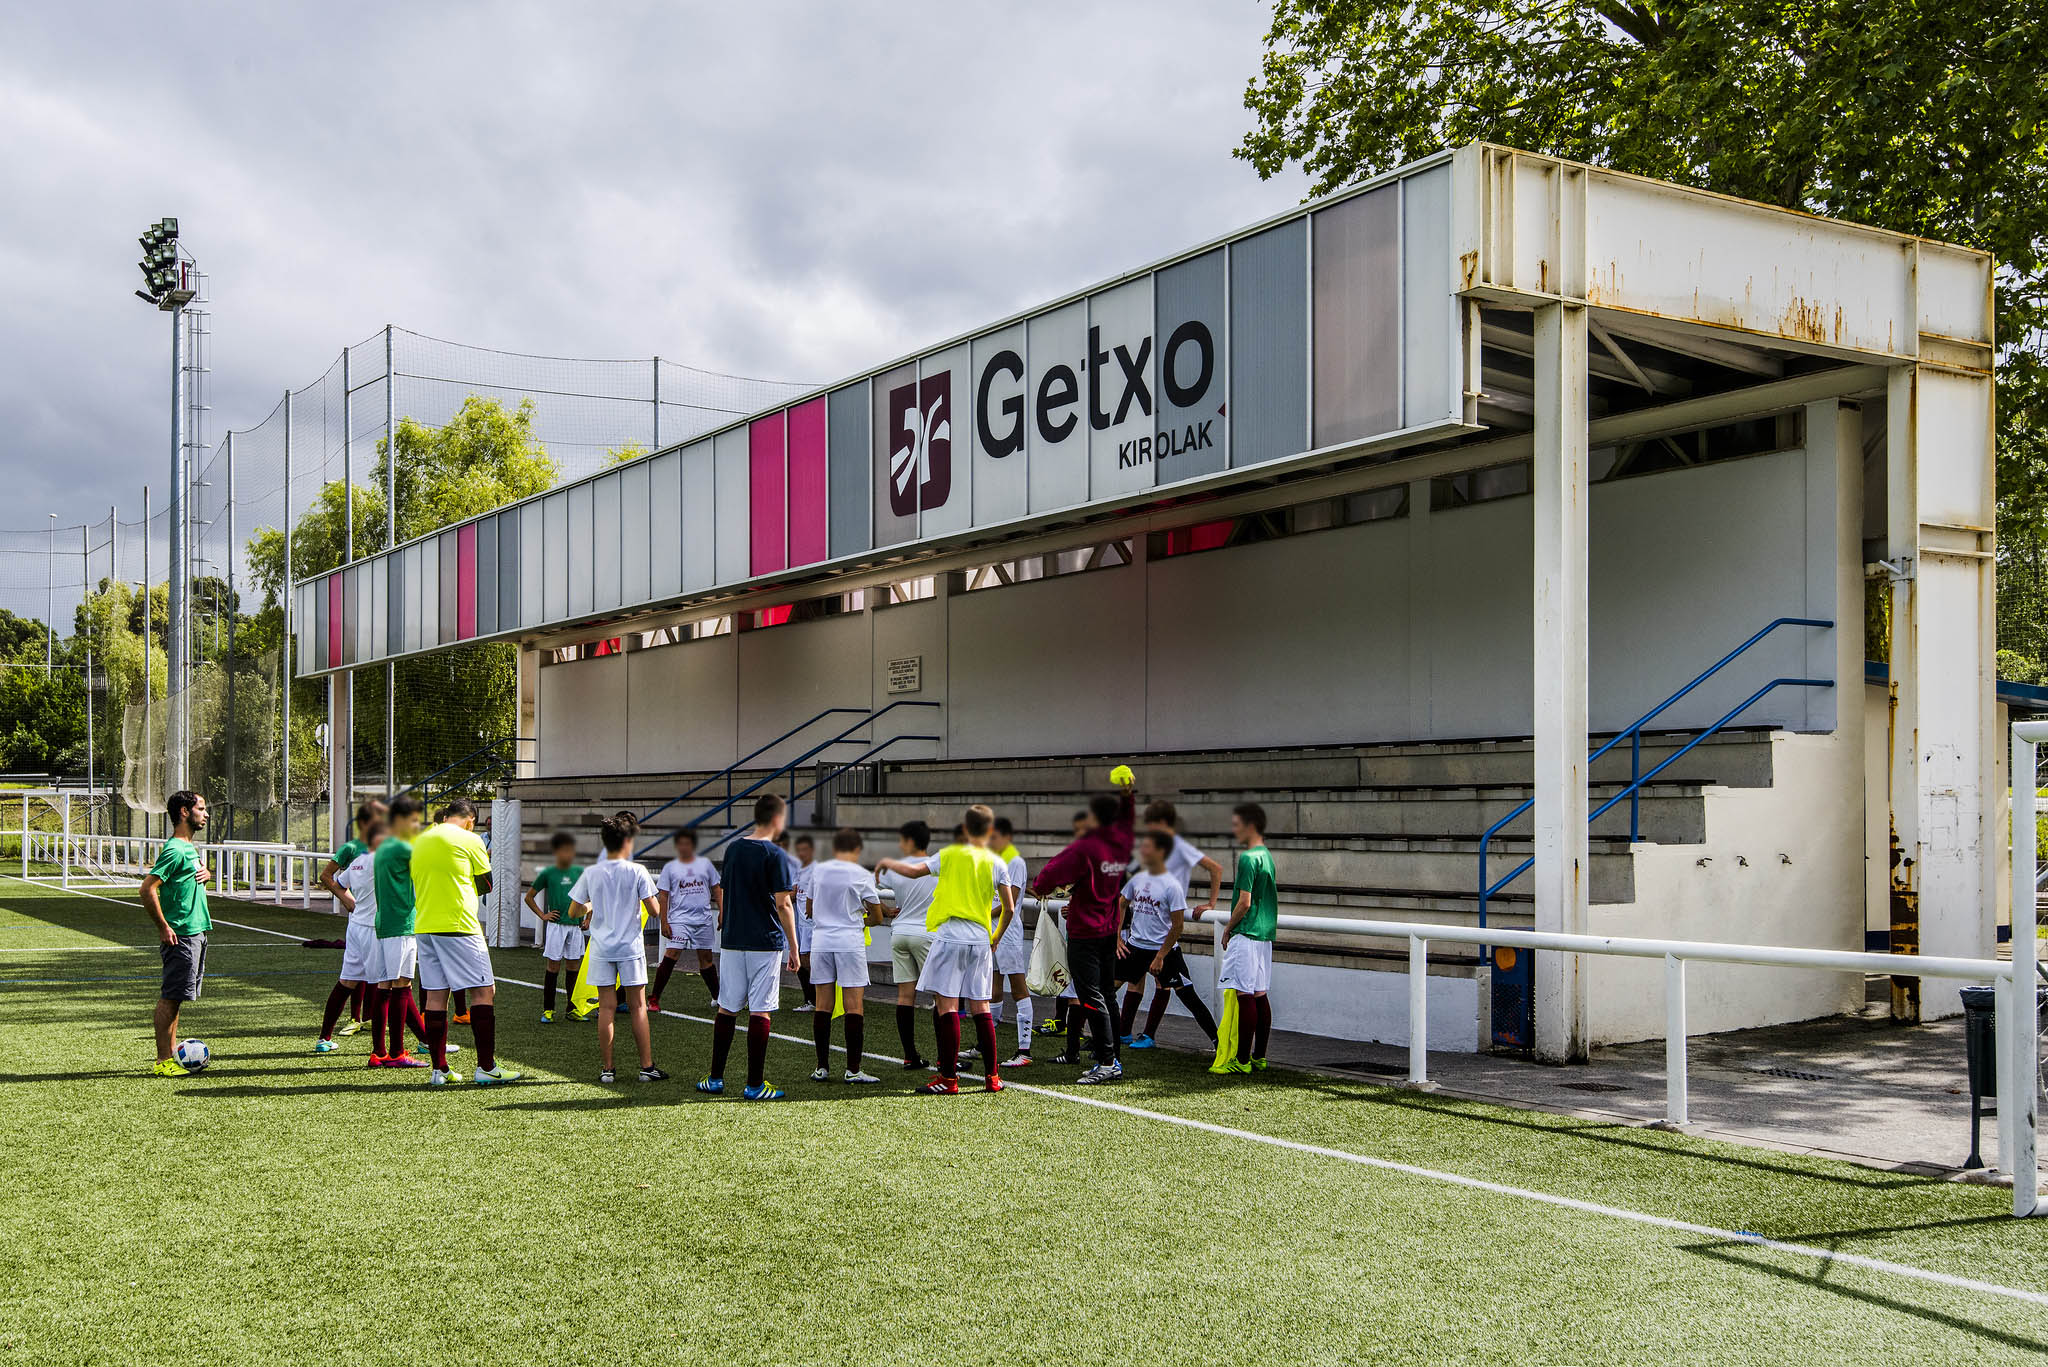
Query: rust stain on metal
[[1542, 276], [1468, 269], [1805, 321]]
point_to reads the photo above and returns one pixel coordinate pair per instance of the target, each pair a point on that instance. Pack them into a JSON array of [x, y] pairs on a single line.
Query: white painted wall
[[1407, 629]]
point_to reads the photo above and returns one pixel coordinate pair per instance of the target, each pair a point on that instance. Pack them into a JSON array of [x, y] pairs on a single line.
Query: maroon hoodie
[[1097, 865]]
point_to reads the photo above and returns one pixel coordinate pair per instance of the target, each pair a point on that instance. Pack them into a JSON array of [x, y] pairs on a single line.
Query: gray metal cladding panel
[[377, 597], [486, 576], [400, 607], [636, 550], [430, 592], [697, 523], [1194, 428], [352, 613], [554, 533], [1269, 345], [605, 520], [1358, 317], [581, 552], [415, 593], [1431, 383], [847, 444], [896, 479], [664, 525], [321, 636], [996, 415], [450, 586], [511, 525], [533, 563], [1058, 439], [732, 481], [1121, 389]]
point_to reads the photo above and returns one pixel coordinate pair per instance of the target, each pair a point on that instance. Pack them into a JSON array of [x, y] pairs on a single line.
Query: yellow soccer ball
[[1122, 776]]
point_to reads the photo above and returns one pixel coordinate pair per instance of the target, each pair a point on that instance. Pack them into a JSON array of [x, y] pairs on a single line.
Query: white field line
[[1827, 1257]]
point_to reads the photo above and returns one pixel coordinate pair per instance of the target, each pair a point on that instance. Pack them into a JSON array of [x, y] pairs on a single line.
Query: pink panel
[[770, 507], [807, 493], [337, 609], [465, 581]]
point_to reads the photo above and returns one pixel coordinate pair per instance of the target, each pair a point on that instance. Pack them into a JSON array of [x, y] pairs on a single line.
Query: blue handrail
[[487, 749], [859, 759], [1634, 735], [729, 770], [867, 719]]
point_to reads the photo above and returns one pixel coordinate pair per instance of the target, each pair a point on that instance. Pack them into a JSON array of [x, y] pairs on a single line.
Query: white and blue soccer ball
[[193, 1054]]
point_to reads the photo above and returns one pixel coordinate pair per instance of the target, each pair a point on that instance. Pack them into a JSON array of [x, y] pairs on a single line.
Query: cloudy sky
[[776, 189]]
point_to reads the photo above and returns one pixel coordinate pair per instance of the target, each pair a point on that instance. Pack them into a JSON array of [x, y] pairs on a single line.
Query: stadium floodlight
[[167, 282]]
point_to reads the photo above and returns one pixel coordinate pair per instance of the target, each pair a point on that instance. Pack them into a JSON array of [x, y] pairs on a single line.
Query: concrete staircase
[[1389, 832]]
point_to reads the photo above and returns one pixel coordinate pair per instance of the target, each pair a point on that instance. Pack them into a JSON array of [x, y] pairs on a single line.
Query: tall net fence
[[312, 484]]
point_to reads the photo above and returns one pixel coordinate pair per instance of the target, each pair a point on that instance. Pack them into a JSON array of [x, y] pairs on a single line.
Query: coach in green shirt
[[174, 893]]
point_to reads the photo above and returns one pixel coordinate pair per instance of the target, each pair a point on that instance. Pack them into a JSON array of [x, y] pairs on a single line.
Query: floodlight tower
[[171, 279]]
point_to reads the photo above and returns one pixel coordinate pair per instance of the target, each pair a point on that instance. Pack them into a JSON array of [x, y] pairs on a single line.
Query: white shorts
[[846, 967], [630, 971], [695, 928], [1013, 952], [958, 968], [358, 953], [1247, 964], [907, 950], [560, 941], [749, 980], [395, 959], [804, 927], [453, 963]]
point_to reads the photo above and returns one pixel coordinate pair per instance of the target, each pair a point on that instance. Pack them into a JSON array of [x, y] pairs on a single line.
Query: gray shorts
[[451, 963], [907, 951], [184, 968]]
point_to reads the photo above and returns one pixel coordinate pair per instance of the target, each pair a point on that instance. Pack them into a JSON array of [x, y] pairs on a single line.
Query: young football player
[[174, 895], [329, 877], [806, 853], [909, 941], [691, 903], [1012, 953], [561, 929], [616, 894], [354, 890], [844, 902], [1065, 1019], [1184, 860], [959, 966], [1247, 967], [1154, 908], [1093, 868], [450, 867], [397, 947], [757, 940]]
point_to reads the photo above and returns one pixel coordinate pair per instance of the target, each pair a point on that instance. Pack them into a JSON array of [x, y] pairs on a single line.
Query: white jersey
[[361, 881], [613, 889], [800, 888], [841, 892], [913, 901], [1154, 897], [1181, 862], [688, 884]]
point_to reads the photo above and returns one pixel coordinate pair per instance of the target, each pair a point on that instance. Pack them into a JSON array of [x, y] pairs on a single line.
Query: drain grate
[[1595, 1087], [1366, 1065], [1795, 1074]]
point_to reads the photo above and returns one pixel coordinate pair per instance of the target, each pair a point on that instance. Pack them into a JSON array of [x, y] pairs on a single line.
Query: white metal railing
[[245, 869]]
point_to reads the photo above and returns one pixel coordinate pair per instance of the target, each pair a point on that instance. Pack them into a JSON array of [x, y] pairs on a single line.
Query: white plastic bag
[[1049, 975]]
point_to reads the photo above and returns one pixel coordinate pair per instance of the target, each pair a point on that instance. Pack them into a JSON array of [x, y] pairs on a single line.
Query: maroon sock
[[757, 1048], [336, 999], [856, 1039], [460, 996], [721, 1044], [1156, 1012], [711, 981], [483, 1027], [437, 1038], [396, 1001], [358, 1001], [414, 1017], [985, 1033], [949, 1045], [1264, 1030], [661, 977], [1130, 1012], [1247, 1026], [380, 1016]]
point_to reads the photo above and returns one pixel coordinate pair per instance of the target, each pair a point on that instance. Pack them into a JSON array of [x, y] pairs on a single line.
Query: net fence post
[[64, 847], [506, 838], [1677, 1104], [2023, 1064], [390, 541]]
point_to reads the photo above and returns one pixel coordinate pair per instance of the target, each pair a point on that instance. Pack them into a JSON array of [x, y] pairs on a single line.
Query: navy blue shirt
[[753, 872]]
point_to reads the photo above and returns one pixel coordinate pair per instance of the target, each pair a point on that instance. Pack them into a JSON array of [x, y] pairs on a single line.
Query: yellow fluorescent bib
[[967, 886]]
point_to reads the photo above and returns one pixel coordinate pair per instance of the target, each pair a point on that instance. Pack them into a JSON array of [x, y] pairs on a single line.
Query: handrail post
[[1418, 1011], [1676, 1110], [1635, 792]]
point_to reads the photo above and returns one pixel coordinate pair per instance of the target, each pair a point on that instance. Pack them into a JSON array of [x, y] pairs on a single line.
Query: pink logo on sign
[[921, 444]]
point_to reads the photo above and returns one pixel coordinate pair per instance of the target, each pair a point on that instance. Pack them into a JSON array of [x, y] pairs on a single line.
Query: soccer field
[[284, 1207]]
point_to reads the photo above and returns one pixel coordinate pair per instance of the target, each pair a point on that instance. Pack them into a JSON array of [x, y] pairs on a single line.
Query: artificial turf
[[287, 1207]]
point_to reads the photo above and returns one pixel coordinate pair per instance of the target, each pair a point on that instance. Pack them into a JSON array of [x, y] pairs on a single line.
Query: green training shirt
[[1255, 876], [349, 853], [180, 893], [553, 883], [392, 871]]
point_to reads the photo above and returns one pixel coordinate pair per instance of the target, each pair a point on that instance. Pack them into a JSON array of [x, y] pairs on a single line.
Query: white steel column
[[1945, 754], [1561, 487], [526, 747], [2019, 1104]]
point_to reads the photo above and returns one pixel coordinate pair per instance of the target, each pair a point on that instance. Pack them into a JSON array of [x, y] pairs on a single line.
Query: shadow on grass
[[1820, 1281], [385, 1082]]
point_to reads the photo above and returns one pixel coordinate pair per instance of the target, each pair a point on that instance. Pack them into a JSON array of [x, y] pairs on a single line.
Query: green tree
[[21, 638], [1921, 118]]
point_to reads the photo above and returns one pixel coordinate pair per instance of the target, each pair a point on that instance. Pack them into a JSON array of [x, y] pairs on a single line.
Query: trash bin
[[1980, 1046]]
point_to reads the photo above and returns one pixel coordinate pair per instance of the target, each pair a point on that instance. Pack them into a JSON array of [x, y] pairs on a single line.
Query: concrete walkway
[[1858, 1088]]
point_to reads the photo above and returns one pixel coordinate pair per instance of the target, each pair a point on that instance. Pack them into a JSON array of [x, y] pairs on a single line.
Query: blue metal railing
[[1634, 735], [867, 718], [485, 759], [856, 761]]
